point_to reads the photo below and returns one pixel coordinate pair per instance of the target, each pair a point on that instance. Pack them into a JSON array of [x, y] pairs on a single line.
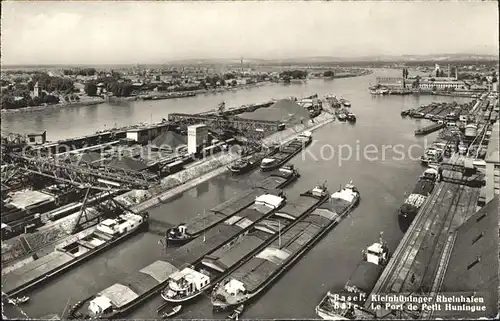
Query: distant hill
[[320, 59]]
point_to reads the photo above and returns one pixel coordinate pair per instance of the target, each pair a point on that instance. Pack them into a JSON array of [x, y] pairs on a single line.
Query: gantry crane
[[80, 174]]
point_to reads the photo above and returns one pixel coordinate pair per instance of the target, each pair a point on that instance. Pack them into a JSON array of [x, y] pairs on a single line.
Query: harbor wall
[[15, 252]]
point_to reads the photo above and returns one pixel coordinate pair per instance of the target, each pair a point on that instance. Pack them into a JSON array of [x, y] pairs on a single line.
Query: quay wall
[[15, 253]]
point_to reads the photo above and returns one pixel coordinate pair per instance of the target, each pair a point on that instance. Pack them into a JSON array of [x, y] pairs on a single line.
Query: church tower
[[36, 90]]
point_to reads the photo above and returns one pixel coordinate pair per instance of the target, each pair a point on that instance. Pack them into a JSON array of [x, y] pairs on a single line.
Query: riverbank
[[55, 106], [158, 96], [345, 75]]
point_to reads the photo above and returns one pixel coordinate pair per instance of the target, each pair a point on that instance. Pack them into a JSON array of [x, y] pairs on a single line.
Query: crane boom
[[99, 177]]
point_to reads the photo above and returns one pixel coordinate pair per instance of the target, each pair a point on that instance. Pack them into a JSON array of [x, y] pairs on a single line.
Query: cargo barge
[[120, 298], [255, 275], [66, 255], [347, 303], [429, 129], [286, 152], [249, 163], [423, 188], [184, 233], [193, 281]]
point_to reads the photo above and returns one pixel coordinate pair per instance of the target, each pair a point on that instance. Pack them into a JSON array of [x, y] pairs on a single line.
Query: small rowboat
[[173, 312], [236, 313], [20, 300]]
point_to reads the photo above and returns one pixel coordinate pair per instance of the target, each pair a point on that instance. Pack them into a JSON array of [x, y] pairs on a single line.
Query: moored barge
[[68, 254], [249, 163], [347, 303], [286, 152], [186, 232], [193, 281], [423, 188], [429, 129], [255, 275], [122, 297]]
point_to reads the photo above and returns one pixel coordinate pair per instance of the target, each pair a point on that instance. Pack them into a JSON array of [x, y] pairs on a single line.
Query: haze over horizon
[[158, 32]]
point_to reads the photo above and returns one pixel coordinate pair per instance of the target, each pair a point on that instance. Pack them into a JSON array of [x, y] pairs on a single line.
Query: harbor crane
[[80, 174]]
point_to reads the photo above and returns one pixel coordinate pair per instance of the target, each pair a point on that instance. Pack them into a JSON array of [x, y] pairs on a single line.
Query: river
[[382, 177]]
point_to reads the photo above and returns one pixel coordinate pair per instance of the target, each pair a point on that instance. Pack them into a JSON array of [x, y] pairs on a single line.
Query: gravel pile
[[284, 110]]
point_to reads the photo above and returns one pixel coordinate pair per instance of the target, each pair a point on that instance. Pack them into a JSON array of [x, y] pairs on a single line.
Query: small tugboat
[[351, 117], [348, 302], [236, 313], [173, 312], [347, 103]]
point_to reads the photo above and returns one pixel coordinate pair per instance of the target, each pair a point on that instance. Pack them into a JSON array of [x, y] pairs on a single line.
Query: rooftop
[[473, 264], [26, 198], [492, 154]]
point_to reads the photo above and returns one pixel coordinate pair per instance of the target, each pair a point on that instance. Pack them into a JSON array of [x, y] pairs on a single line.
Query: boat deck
[[138, 283], [366, 275], [423, 187], [224, 210], [215, 237], [238, 202], [273, 182], [21, 277], [202, 245], [226, 257], [254, 273], [292, 210], [415, 263], [17, 278], [248, 216]]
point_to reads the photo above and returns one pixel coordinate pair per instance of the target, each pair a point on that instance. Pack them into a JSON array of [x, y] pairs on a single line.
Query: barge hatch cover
[[257, 270], [138, 283], [226, 209], [293, 210]]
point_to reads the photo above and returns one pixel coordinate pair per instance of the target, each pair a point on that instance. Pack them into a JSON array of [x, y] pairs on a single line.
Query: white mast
[[204, 223], [279, 233]]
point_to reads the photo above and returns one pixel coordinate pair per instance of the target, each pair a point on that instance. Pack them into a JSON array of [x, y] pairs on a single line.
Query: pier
[[415, 265]]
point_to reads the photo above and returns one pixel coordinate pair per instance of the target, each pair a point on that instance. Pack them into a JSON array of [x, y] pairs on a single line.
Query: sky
[[110, 32]]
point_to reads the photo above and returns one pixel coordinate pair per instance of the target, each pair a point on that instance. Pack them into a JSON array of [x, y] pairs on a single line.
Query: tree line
[[80, 72], [19, 94]]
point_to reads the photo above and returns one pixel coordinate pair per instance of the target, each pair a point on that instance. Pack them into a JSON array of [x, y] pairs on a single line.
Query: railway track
[[426, 229]]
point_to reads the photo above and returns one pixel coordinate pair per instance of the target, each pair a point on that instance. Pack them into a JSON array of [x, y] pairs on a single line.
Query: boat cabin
[[187, 281], [431, 174], [377, 254], [120, 225], [234, 287], [305, 136], [266, 161], [100, 305], [269, 200], [178, 231], [286, 169]]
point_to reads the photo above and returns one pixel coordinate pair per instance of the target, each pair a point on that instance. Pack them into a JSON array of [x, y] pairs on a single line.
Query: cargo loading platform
[[419, 262]]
